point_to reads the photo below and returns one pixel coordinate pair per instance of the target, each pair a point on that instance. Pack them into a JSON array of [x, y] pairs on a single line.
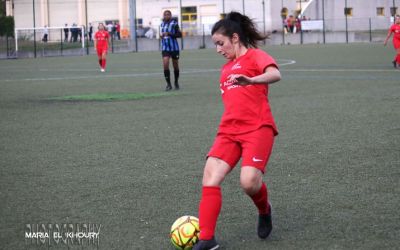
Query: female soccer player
[[395, 28], [247, 128], [170, 48], [101, 39]]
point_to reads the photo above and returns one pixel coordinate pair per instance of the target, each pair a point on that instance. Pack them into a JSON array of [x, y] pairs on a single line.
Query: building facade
[[195, 16]]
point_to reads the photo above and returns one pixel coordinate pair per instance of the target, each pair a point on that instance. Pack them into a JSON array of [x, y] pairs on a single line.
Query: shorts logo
[[256, 160]]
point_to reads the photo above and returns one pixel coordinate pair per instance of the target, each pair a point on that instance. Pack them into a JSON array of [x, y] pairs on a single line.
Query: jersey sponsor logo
[[236, 66], [229, 83]]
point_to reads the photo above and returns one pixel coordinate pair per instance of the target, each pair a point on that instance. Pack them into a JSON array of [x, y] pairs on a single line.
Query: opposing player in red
[[247, 128], [395, 29], [101, 40]]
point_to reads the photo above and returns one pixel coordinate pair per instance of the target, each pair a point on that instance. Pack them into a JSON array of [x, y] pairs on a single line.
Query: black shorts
[[173, 54]]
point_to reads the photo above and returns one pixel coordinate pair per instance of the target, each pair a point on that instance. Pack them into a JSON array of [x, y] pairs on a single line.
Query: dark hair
[[166, 11], [242, 25]]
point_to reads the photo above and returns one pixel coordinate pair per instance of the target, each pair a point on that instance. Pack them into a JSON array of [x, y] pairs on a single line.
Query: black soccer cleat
[[264, 227], [206, 245], [394, 64], [168, 88], [176, 86]]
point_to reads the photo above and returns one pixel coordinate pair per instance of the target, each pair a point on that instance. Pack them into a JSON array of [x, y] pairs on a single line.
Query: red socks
[[398, 59], [210, 206], [211, 203], [102, 63], [260, 199]]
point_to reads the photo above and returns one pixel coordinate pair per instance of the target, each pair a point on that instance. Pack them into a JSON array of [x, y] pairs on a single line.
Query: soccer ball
[[185, 232]]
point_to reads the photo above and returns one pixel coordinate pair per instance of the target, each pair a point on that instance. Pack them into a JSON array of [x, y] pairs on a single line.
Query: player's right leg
[[167, 73], [211, 202], [100, 57], [223, 156]]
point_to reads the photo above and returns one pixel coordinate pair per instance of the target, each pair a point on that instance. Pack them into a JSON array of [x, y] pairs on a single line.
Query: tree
[[7, 26], [2, 8]]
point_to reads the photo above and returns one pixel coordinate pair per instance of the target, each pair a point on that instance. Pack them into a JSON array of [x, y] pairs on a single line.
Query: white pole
[[83, 40], [83, 37], [132, 23], [16, 42]]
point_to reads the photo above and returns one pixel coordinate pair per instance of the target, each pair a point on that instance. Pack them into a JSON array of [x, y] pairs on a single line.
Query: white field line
[[343, 70], [285, 62], [102, 76]]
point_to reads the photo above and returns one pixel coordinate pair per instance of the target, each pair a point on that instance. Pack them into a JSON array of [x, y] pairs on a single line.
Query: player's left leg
[[103, 57], [253, 185], [175, 64], [398, 57], [257, 148]]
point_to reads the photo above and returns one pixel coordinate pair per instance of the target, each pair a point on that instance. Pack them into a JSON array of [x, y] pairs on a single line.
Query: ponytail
[[242, 25]]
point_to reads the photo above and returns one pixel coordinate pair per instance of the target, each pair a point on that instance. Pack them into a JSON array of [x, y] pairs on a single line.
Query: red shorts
[[101, 50], [396, 43], [254, 148]]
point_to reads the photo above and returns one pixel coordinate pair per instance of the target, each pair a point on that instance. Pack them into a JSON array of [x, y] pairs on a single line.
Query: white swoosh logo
[[256, 160]]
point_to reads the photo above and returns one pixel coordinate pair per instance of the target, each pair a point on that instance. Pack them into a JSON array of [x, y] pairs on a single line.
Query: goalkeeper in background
[[101, 40]]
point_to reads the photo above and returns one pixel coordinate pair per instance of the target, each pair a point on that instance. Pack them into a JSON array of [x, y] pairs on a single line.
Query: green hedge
[[7, 26]]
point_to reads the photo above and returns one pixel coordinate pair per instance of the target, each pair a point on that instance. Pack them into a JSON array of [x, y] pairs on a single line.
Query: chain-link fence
[[69, 21], [359, 30]]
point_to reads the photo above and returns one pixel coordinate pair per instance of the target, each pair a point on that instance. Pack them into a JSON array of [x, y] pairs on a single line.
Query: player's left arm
[[108, 41], [270, 75], [177, 32]]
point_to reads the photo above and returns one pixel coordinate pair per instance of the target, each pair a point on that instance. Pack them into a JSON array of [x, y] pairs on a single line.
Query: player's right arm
[[388, 36], [270, 75], [95, 40]]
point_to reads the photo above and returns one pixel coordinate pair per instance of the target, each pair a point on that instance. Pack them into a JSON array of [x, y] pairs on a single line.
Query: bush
[[7, 26]]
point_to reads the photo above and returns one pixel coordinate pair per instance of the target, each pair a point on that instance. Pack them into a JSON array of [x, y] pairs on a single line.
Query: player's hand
[[239, 79], [164, 34]]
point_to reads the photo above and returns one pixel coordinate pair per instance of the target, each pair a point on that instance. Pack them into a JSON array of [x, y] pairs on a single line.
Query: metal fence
[[31, 43]]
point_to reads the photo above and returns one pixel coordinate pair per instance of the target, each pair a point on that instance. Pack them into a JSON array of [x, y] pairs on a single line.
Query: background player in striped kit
[[170, 48]]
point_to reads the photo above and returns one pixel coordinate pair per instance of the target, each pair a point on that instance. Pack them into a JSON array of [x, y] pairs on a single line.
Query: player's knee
[[212, 178], [214, 172], [250, 184]]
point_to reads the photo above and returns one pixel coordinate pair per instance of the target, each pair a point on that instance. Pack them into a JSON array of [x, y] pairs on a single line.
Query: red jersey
[[102, 37], [395, 28], [246, 107]]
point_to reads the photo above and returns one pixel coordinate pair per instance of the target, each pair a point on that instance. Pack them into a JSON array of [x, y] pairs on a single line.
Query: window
[[393, 11], [139, 22], [284, 12], [190, 9], [189, 20], [348, 11], [380, 11]]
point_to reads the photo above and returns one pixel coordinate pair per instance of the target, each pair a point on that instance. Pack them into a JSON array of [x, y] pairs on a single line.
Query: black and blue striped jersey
[[169, 43]]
